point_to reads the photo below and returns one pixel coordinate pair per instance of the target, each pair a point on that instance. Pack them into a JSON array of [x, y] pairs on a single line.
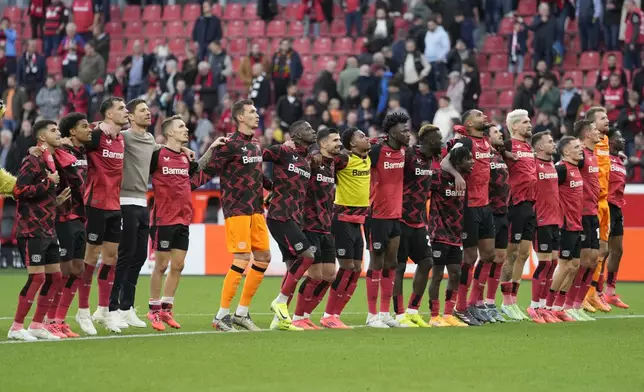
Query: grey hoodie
[[49, 101]]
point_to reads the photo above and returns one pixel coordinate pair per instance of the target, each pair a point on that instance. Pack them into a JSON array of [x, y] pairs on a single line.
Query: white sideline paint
[[163, 335]]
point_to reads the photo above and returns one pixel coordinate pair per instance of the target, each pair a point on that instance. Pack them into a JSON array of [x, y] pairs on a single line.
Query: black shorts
[[590, 236], [546, 239], [446, 254], [570, 245], [289, 237], [380, 231], [414, 244], [103, 226], [523, 222], [478, 225], [501, 231], [349, 243], [324, 245], [616, 221], [37, 251], [72, 239], [165, 238]]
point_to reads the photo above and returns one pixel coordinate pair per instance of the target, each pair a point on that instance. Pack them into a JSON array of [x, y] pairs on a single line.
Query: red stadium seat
[[132, 13], [233, 11], [113, 62], [338, 12], [572, 28], [503, 81], [619, 57], [114, 30], [134, 30], [522, 76], [171, 12], [322, 61], [322, 46], [256, 28], [295, 29], [115, 12], [343, 46], [154, 29], [291, 11], [576, 76], [570, 61], [154, 42], [216, 10], [235, 28], [191, 12], [498, 63], [264, 45], [494, 44], [591, 78], [589, 61], [116, 46], [527, 7], [250, 11], [129, 47], [13, 13], [338, 28], [307, 82], [481, 61], [488, 100], [237, 46], [302, 46], [506, 99], [506, 27], [307, 63], [176, 30], [54, 65], [276, 29], [485, 79], [177, 45], [151, 13]]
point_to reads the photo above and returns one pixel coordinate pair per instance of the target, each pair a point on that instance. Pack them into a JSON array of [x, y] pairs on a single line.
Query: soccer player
[[414, 237], [70, 218], [595, 300], [546, 240], [238, 164], [382, 228], [571, 193], [589, 136], [105, 155], [616, 202], [291, 173], [499, 191], [353, 177], [446, 220], [35, 193], [318, 212], [478, 237]]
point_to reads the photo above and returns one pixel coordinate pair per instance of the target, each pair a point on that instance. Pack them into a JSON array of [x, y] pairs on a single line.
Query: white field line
[[157, 335], [178, 315]]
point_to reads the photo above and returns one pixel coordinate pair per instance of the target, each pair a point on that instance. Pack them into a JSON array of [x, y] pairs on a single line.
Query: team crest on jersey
[[63, 252], [342, 252], [436, 254], [184, 159], [377, 245], [543, 247], [36, 258]]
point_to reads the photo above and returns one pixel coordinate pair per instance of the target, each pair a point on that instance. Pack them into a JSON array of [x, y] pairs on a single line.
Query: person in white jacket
[[443, 117], [437, 46]]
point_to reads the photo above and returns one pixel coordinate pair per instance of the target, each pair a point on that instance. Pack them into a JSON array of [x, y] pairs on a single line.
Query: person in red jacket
[[614, 97], [77, 97], [610, 68], [633, 35], [36, 12], [353, 16], [83, 16], [56, 17], [71, 49]]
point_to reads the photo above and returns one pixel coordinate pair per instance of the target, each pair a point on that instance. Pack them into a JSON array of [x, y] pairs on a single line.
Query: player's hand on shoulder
[[35, 151], [63, 196], [289, 144], [191, 154], [66, 142], [459, 183], [220, 141], [54, 177], [315, 158]]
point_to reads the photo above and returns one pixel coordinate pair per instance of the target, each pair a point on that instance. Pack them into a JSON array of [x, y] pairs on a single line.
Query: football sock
[[586, 280], [294, 275], [435, 307], [463, 287], [253, 280], [305, 295], [338, 288], [53, 308], [105, 283], [550, 299], [600, 284], [350, 290], [539, 282], [481, 274], [387, 288], [154, 305], [167, 303], [574, 289], [506, 290], [231, 283], [399, 308], [560, 299], [414, 303], [549, 276], [318, 295], [26, 297], [46, 296], [373, 284], [515, 291], [69, 291], [449, 302], [86, 286], [493, 281], [610, 283]]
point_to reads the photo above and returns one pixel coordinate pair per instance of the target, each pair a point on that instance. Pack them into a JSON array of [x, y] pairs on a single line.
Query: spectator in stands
[[171, 75], [354, 99], [335, 111], [351, 121], [587, 101], [493, 15], [468, 17], [524, 96], [221, 67], [425, 105], [6, 142], [203, 127], [321, 102], [101, 41], [95, 99], [353, 16], [417, 32], [226, 125], [547, 99], [50, 100], [4, 70], [614, 97], [162, 55], [260, 92], [56, 18], [116, 83], [29, 112], [326, 121], [455, 90], [289, 107], [36, 12], [286, 68], [443, 117], [207, 29], [326, 81], [611, 22], [390, 62], [517, 47], [589, 14], [605, 73], [84, 17], [137, 67], [415, 68], [32, 69], [543, 72], [631, 121], [633, 38], [543, 124], [348, 76], [246, 66], [380, 31], [183, 94], [311, 115], [71, 49], [393, 105], [77, 97], [14, 98], [366, 113], [418, 9], [8, 37], [206, 87], [545, 35], [267, 10], [456, 56], [437, 46], [92, 66], [310, 12], [472, 90], [570, 103], [189, 66]]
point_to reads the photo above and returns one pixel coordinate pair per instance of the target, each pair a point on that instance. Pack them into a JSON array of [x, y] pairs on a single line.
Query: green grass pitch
[[604, 355]]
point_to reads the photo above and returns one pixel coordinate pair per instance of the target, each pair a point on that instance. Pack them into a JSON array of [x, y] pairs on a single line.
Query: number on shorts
[[597, 232], [429, 243]]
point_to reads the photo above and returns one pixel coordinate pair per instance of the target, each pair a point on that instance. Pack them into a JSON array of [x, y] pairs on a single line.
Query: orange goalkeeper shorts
[[247, 233], [603, 213]]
